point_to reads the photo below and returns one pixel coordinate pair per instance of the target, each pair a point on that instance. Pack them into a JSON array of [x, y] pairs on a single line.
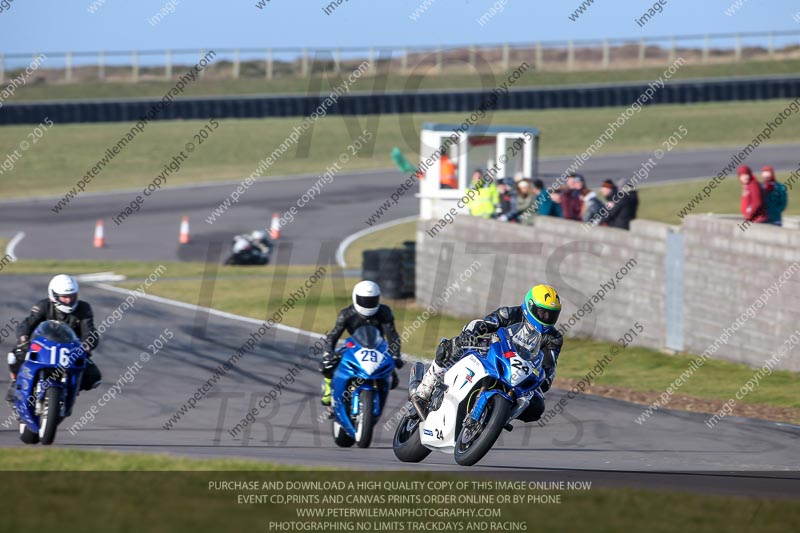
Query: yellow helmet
[[541, 307]]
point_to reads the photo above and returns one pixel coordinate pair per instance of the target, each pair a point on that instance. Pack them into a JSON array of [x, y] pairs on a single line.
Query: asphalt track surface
[[341, 208], [595, 439]]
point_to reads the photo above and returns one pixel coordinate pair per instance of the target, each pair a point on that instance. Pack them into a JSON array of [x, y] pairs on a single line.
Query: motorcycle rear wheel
[[471, 449]]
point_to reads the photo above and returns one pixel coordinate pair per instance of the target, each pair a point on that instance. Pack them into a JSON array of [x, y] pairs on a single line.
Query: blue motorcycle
[[360, 386], [48, 381], [479, 397]]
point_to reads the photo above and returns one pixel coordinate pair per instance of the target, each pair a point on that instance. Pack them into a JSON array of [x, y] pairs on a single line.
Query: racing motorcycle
[[245, 252], [360, 386], [479, 397], [48, 381]]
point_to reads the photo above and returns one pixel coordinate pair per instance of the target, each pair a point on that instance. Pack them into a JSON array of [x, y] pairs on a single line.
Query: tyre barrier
[[391, 268]]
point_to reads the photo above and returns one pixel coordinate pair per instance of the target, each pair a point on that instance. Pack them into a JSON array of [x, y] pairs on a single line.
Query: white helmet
[[259, 235], [366, 297], [63, 292]]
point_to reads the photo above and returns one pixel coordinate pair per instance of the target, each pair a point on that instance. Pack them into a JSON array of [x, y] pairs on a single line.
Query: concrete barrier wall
[[710, 274], [580, 264], [752, 277]]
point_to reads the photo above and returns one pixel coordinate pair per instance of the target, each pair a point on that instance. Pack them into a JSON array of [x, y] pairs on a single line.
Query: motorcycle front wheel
[[27, 436], [342, 439], [473, 442], [365, 422], [406, 444], [49, 421]]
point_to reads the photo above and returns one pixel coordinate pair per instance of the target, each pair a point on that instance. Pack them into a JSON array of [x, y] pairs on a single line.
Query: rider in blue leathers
[[539, 311]]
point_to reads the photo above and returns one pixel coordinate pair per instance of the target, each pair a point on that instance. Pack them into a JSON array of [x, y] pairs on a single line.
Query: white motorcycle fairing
[[438, 430]]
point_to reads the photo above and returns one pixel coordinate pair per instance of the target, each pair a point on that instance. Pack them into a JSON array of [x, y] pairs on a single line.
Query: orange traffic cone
[[275, 227], [183, 238], [99, 238]]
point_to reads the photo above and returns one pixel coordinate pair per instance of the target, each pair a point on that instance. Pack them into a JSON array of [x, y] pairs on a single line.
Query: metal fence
[[276, 63]]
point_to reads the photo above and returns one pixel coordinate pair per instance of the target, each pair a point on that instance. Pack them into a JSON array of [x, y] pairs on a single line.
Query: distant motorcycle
[[479, 397], [244, 251], [48, 381], [359, 388]]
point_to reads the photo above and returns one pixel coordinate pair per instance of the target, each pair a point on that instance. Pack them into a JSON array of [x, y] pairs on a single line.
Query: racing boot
[[10, 393], [395, 380], [11, 388], [430, 380], [326, 391]]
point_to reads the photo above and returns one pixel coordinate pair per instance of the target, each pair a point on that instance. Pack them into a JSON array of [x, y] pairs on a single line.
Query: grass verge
[[136, 270], [193, 501], [67, 152], [69, 460], [392, 237]]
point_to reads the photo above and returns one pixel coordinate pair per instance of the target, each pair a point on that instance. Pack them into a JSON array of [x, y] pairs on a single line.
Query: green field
[[37, 458], [392, 237], [663, 202], [177, 495], [414, 81], [66, 152]]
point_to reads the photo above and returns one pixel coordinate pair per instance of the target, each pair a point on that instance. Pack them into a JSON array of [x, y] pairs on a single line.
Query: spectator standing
[[524, 212], [592, 207], [485, 202], [775, 196], [506, 199], [752, 203], [545, 205], [571, 204], [557, 196], [621, 206], [447, 173]]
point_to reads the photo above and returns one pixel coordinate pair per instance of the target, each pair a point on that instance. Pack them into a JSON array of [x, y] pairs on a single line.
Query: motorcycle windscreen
[[526, 340], [368, 337], [55, 331]]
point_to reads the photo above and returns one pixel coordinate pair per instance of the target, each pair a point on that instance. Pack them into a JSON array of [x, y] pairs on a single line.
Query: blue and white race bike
[[360, 386], [479, 397], [48, 381]]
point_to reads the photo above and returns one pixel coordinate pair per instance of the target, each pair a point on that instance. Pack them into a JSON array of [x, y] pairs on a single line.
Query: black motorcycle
[[244, 251]]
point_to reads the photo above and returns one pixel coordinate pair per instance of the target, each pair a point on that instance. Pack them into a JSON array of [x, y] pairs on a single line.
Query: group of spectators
[[524, 199], [762, 202]]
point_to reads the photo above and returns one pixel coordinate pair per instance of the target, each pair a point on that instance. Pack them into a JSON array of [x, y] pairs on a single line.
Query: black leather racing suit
[[81, 320], [451, 350], [350, 320]]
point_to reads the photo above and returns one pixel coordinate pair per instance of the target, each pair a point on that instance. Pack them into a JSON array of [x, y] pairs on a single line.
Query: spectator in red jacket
[[571, 202], [753, 208]]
